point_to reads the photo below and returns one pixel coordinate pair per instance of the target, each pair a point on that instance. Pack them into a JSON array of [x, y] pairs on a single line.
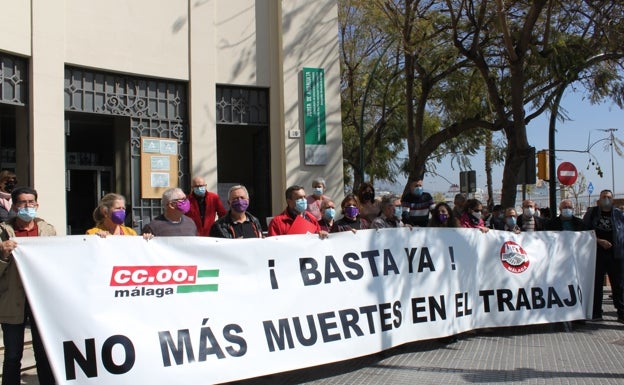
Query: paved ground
[[590, 353]]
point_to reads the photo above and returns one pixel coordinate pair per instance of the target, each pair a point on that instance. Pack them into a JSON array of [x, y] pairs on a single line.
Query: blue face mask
[[511, 221], [567, 213], [329, 213], [199, 191], [417, 191], [27, 214], [301, 205], [318, 191], [398, 212]]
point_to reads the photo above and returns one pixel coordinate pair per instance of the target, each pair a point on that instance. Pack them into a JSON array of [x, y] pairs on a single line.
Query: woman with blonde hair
[[110, 216]]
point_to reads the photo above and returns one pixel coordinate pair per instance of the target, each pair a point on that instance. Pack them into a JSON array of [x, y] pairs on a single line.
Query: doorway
[[95, 152], [243, 157]]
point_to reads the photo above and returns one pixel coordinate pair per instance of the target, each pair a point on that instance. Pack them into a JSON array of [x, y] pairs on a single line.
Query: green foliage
[[439, 75]]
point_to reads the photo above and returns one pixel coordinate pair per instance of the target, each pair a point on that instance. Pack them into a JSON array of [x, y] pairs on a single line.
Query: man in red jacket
[[204, 206], [295, 219]]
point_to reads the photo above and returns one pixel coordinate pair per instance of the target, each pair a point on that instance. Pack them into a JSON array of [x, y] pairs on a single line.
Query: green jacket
[[12, 295]]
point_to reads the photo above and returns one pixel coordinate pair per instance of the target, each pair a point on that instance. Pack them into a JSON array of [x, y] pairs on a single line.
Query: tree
[[371, 111], [578, 188], [526, 51], [468, 66]]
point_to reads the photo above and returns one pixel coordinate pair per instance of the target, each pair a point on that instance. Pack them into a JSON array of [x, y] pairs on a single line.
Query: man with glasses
[[205, 206], [391, 212], [172, 222], [238, 222], [14, 308]]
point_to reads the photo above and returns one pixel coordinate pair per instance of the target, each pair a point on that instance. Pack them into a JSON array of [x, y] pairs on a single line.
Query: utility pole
[[611, 144]]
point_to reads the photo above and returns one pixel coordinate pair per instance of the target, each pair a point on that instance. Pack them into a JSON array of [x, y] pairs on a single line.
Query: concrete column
[[47, 110]]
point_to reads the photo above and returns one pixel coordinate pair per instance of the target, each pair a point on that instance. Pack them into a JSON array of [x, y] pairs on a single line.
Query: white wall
[[260, 43], [143, 37], [310, 39], [15, 27]]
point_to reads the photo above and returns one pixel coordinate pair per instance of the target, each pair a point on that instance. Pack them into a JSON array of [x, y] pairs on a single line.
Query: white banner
[[122, 310]]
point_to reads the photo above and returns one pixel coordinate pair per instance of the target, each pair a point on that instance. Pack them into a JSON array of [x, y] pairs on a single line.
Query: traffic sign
[[567, 173], [590, 188]]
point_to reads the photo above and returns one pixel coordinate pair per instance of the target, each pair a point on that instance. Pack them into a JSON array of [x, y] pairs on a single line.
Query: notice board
[[159, 166]]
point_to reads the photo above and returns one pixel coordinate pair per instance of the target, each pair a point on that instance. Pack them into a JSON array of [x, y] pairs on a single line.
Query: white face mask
[[528, 211]]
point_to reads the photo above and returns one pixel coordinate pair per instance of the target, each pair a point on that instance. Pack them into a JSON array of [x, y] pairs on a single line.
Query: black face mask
[[9, 186]]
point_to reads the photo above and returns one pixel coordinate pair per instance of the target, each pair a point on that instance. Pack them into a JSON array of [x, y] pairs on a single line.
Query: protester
[[351, 219], [443, 216], [472, 216], [566, 220], [608, 223], [530, 219], [15, 310], [238, 222], [511, 220], [391, 212], [204, 206], [315, 200], [295, 219], [172, 222], [416, 204], [370, 207], [458, 205], [328, 208], [109, 217], [8, 181], [497, 218]]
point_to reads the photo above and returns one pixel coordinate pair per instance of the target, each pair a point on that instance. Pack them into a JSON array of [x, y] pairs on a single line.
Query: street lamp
[[611, 140]]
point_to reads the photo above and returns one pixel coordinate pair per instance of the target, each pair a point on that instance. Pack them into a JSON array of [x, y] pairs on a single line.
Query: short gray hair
[[238, 187], [388, 200], [318, 180], [169, 194]]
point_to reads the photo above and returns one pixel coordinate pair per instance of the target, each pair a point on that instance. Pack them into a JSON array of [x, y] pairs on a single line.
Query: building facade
[[136, 96]]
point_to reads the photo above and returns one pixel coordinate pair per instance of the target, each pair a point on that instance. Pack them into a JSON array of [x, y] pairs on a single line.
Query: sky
[[582, 128]]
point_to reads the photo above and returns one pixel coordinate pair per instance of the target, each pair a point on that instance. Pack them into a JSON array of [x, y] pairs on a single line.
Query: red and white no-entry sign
[[567, 174]]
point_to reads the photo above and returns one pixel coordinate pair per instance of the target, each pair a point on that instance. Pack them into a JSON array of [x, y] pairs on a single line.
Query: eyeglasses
[[178, 200], [26, 204], [199, 185]]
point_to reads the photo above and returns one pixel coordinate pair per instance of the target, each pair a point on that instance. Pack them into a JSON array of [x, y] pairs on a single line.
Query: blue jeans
[[13, 337]]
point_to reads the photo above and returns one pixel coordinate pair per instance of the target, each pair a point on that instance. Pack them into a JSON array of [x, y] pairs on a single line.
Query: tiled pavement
[[561, 353]]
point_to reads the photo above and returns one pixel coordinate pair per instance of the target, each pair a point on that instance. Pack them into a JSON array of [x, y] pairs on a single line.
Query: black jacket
[[223, 227], [577, 224]]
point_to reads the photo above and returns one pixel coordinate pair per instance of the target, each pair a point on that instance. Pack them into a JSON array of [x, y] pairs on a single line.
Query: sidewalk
[[559, 353]]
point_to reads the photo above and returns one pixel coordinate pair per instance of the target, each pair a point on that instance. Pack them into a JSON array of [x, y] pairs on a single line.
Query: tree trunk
[[488, 169]]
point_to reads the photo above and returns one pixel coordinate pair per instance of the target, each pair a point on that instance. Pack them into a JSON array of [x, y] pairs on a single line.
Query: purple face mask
[[240, 205], [118, 217], [351, 212], [183, 205], [442, 217]]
